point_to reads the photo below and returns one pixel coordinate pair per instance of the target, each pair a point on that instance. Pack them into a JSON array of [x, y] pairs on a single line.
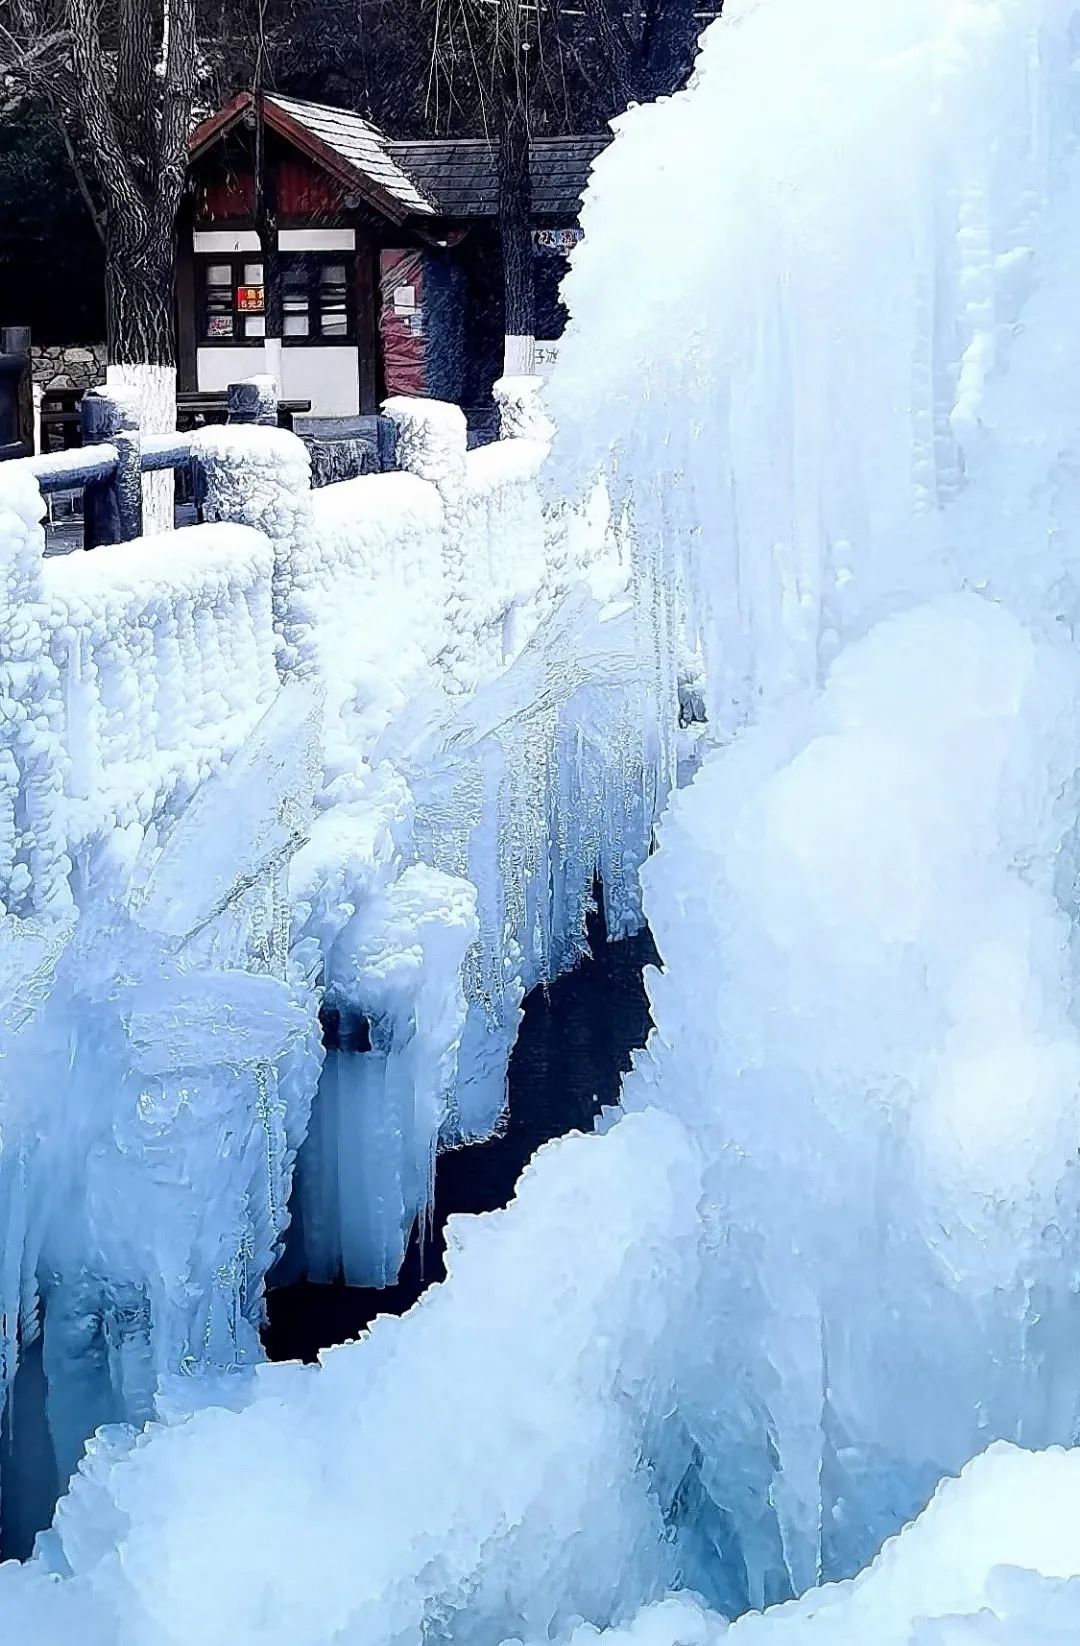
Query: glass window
[[219, 300], [315, 297], [333, 300], [295, 297]]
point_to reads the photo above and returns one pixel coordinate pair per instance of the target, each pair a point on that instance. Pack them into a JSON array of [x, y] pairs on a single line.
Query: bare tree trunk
[[515, 193], [140, 281]]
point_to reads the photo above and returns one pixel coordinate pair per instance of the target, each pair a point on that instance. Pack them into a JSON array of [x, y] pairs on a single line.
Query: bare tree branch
[[79, 174]]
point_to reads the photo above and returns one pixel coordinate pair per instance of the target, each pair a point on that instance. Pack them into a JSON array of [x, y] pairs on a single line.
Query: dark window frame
[[313, 263], [237, 262]]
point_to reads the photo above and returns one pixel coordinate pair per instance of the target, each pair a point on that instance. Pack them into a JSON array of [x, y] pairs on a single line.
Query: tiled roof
[[361, 145], [455, 177], [460, 176]]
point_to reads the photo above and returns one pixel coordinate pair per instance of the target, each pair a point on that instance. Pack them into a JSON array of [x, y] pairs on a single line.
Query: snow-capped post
[[431, 441], [261, 477], [254, 400], [112, 509], [521, 409]]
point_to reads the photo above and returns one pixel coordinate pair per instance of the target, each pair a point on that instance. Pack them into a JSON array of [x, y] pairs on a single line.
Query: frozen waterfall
[[828, 1251]]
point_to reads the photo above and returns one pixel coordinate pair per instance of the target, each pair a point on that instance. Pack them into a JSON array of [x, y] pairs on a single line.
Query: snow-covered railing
[[162, 659], [109, 466], [116, 452], [139, 668], [443, 562], [126, 676]]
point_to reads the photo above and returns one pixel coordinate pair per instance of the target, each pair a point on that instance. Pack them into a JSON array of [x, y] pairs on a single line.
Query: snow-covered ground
[[827, 1251]]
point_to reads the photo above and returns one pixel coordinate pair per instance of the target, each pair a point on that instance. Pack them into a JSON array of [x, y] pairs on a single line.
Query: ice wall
[[991, 1562], [797, 390], [864, 514], [868, 1019]]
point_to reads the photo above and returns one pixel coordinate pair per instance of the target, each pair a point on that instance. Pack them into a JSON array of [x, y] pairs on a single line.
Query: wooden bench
[[194, 409]]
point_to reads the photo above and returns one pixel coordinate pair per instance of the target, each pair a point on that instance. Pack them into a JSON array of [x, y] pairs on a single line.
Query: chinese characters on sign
[[250, 299], [557, 240]]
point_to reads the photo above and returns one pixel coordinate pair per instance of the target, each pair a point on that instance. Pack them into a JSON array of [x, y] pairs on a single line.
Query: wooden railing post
[[112, 509], [16, 393]]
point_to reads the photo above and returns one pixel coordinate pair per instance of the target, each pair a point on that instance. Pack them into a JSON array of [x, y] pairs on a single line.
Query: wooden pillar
[[16, 393], [367, 296]]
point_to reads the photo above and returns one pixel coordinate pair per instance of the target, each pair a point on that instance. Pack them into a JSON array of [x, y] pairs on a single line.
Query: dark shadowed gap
[[573, 1049]]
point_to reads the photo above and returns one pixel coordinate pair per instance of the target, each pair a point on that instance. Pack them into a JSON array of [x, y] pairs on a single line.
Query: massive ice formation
[[829, 1249], [865, 518], [491, 1464], [872, 895]]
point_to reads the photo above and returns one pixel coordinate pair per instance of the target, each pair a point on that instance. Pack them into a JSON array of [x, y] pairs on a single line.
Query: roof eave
[[303, 138], [208, 132]]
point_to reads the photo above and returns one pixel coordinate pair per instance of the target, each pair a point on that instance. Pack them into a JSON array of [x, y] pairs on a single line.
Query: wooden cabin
[[388, 269]]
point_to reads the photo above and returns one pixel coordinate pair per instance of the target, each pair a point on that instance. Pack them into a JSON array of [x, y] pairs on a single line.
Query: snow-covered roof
[[358, 143], [343, 143], [420, 178], [460, 175]]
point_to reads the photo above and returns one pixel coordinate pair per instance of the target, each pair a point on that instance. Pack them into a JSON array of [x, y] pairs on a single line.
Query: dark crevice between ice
[[573, 1048]]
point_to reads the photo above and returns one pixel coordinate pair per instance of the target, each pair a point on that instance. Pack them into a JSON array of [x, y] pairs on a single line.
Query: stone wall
[[79, 366]]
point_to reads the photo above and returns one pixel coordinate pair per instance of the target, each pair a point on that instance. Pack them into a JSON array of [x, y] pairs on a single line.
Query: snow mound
[[388, 1496]]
